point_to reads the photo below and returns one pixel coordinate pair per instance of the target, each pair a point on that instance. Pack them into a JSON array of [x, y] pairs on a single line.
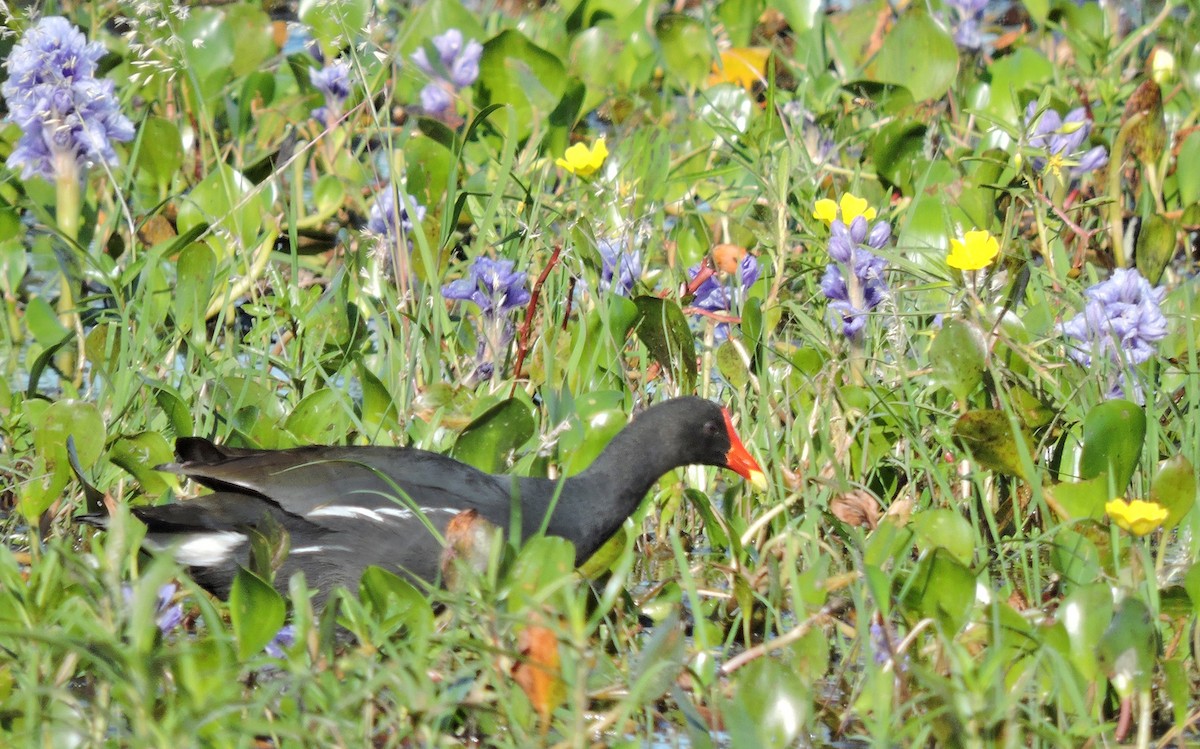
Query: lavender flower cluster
[[1061, 139], [714, 296], [1121, 323], [455, 67], [853, 283], [492, 285], [68, 117], [333, 81]]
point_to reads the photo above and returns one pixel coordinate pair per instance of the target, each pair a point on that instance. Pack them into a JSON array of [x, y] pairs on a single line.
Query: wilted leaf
[[856, 508], [539, 672], [988, 434], [1148, 136]]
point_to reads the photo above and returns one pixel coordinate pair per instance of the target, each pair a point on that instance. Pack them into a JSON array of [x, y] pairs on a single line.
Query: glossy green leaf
[[1189, 179], [320, 418], [988, 435], [1156, 246], [256, 612], [770, 706], [663, 329], [395, 602], [378, 407], [335, 23], [253, 39], [956, 358], [540, 570], [517, 72], [686, 48], [1174, 487], [225, 198], [489, 440], [591, 431], [1075, 557], [1082, 499], [942, 589], [1025, 70], [1113, 433], [919, 54], [1085, 615], [206, 40], [42, 320], [197, 267], [140, 454], [942, 528], [160, 153], [75, 418], [898, 151], [1127, 649]]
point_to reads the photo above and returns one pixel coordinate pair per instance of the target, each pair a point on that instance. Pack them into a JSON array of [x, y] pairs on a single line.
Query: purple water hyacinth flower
[[284, 638], [68, 118], [458, 63], [1061, 138], [456, 67], [167, 615], [968, 29], [713, 296], [382, 219], [854, 283], [333, 81], [492, 285], [619, 267], [1121, 323]]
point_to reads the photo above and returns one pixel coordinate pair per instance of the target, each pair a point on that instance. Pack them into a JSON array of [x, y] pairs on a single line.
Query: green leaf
[[918, 54], [1082, 499], [732, 366], [1128, 647], [207, 43], [1026, 69], [1189, 179], [988, 435], [75, 418], [517, 72], [226, 199], [1085, 615], [942, 589], [160, 153], [395, 602], [1156, 245], [43, 322], [1174, 487], [256, 611], [321, 417], [770, 706], [1076, 558], [945, 529], [1113, 433], [663, 329], [139, 455], [378, 406], [253, 40], [898, 151], [488, 441], [541, 570], [197, 267], [686, 48], [956, 357], [335, 23]]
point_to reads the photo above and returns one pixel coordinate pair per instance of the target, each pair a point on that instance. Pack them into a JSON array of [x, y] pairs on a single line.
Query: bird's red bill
[[738, 458]]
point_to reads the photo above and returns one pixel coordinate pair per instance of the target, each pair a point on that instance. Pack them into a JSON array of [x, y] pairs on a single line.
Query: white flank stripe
[[200, 549], [318, 549], [345, 511], [431, 510], [397, 512]]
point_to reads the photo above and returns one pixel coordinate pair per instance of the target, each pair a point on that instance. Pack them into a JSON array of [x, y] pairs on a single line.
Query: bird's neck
[[590, 507]]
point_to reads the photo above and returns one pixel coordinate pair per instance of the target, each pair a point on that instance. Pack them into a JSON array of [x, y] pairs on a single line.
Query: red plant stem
[[527, 323]]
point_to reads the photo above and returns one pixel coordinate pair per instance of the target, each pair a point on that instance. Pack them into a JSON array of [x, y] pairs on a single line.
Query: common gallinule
[[345, 508]]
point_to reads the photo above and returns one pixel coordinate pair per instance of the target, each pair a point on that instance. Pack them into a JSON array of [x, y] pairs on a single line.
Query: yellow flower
[[851, 208], [744, 66], [974, 251], [584, 161], [1138, 517]]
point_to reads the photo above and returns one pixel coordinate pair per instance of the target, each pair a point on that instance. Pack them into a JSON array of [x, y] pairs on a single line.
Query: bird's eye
[[712, 428]]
